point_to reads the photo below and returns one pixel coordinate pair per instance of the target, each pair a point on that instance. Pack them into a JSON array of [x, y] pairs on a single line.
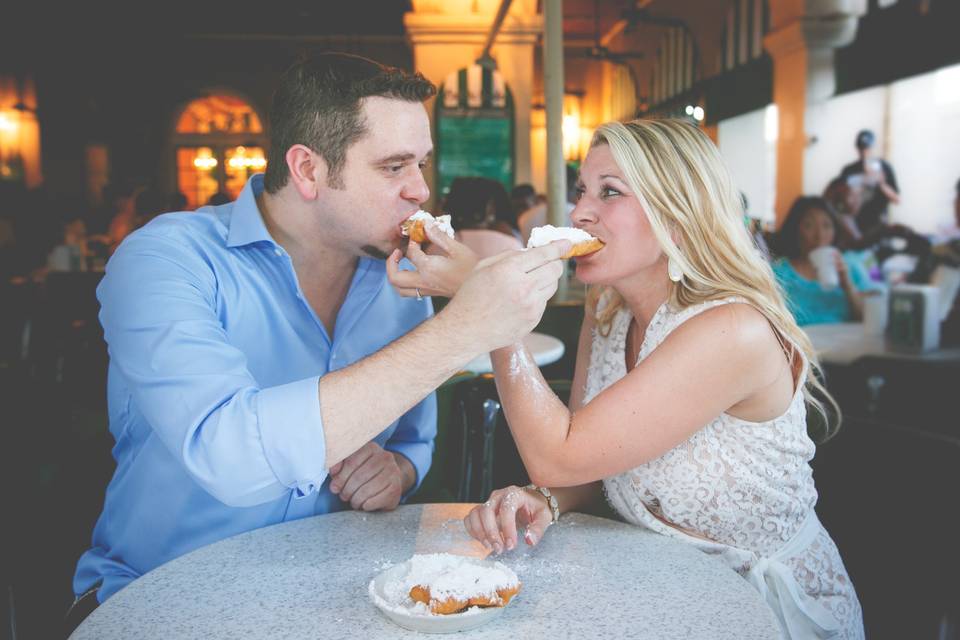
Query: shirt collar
[[246, 222]]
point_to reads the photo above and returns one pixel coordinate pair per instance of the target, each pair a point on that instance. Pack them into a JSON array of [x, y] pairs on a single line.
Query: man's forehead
[[395, 128]]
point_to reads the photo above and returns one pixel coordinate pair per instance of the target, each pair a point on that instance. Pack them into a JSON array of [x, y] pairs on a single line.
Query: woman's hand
[[854, 297], [495, 522], [439, 272]]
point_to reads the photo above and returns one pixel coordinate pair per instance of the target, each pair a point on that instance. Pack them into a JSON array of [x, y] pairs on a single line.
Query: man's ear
[[308, 171]]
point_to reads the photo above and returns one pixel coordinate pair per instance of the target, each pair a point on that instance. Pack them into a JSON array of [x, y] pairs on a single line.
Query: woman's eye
[[608, 192]]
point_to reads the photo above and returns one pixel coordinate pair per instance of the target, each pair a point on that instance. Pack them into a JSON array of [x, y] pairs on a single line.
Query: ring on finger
[[419, 296]]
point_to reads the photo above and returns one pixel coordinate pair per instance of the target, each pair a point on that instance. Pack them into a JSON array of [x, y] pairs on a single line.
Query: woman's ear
[[308, 171]]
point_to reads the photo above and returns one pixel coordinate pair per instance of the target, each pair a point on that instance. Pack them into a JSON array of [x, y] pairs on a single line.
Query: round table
[[544, 349], [844, 343], [589, 578]]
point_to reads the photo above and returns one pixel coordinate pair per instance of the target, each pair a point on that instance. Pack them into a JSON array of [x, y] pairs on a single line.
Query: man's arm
[[247, 444], [502, 300]]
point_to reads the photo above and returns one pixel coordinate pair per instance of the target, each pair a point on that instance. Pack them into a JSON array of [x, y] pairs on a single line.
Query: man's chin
[[383, 253]]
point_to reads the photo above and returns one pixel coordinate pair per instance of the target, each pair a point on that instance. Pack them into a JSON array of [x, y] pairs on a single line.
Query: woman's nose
[[582, 214]]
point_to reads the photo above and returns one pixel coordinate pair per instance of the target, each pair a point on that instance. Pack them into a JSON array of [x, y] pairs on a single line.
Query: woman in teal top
[[812, 224]]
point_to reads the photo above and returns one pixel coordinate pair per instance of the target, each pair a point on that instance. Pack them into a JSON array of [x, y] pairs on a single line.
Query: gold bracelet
[[550, 498]]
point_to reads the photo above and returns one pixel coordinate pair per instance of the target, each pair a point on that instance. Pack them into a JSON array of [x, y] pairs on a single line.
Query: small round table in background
[[589, 578], [544, 349]]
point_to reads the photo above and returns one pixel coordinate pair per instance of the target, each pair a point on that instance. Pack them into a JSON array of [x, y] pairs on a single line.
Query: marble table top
[[589, 578]]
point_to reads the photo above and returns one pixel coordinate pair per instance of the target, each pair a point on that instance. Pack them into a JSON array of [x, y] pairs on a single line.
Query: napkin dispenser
[[913, 323]]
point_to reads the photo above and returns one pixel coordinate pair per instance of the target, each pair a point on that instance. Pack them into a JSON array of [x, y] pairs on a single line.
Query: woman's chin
[[587, 275]]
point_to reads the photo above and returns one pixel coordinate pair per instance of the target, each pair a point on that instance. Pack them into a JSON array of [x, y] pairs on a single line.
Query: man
[[262, 369], [873, 179]]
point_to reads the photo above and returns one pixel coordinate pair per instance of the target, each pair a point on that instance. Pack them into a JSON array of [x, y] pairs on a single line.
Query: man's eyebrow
[[397, 157], [402, 157]]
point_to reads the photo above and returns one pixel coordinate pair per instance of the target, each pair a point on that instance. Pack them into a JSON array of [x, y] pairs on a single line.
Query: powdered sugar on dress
[[737, 489]]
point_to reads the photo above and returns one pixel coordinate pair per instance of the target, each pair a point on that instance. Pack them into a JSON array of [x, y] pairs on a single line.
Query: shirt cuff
[[419, 454], [291, 430]]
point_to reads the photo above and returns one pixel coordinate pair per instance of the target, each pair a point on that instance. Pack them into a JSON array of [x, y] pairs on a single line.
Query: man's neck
[[324, 270]]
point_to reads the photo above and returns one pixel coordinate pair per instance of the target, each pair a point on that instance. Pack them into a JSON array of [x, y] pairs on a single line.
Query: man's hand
[[504, 297], [440, 271], [372, 479]]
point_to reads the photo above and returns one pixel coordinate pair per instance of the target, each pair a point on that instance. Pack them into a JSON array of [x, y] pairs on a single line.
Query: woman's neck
[[646, 292]]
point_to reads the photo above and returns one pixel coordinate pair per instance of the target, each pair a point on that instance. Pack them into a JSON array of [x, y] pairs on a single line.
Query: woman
[[479, 208], [690, 390], [811, 224]]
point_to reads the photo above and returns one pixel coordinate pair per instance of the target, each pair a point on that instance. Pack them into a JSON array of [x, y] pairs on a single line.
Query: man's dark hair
[[318, 104], [787, 240], [865, 139]]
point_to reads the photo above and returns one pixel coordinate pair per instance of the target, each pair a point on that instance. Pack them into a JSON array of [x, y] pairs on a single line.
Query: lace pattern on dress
[[737, 489]]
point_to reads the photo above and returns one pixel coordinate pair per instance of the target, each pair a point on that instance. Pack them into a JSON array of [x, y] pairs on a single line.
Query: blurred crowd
[[41, 232], [846, 230]]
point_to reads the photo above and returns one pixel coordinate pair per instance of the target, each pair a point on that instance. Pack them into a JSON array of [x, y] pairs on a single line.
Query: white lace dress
[[740, 490]]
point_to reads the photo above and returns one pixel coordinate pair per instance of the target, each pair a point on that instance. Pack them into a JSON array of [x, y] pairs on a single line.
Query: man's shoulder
[[183, 229]]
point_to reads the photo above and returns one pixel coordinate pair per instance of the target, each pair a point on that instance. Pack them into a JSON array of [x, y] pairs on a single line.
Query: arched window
[[474, 122], [220, 143]]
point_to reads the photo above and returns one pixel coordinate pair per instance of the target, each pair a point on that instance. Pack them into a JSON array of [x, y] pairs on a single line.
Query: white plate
[[405, 614]]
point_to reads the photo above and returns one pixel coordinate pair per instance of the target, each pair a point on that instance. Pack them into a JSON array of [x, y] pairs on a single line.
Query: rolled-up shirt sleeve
[[243, 444]]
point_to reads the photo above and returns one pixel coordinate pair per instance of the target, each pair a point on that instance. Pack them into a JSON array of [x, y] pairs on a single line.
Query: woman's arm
[[495, 522], [712, 362]]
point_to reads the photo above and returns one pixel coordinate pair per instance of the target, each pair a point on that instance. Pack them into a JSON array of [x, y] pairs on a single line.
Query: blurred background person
[[874, 179], [148, 204], [479, 211], [177, 201], [536, 216], [522, 197], [811, 224], [121, 203], [218, 198], [71, 253]]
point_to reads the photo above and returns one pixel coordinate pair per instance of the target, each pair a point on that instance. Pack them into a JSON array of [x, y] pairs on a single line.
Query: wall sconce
[[11, 160], [572, 130]]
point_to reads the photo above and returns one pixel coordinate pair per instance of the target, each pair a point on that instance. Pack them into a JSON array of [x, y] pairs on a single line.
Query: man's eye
[[578, 193], [424, 164], [395, 168]]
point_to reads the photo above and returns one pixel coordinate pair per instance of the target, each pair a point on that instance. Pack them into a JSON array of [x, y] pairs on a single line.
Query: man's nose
[[416, 188]]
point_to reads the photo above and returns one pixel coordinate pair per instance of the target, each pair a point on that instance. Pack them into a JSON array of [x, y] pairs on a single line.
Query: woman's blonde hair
[[695, 211]]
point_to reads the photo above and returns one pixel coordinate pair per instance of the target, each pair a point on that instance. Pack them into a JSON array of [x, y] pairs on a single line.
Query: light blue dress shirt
[[812, 304], [215, 358]]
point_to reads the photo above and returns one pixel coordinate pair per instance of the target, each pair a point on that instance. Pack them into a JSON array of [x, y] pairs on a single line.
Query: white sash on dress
[[800, 616]]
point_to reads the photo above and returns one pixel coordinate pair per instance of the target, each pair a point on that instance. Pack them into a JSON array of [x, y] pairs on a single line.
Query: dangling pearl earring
[[673, 270]]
